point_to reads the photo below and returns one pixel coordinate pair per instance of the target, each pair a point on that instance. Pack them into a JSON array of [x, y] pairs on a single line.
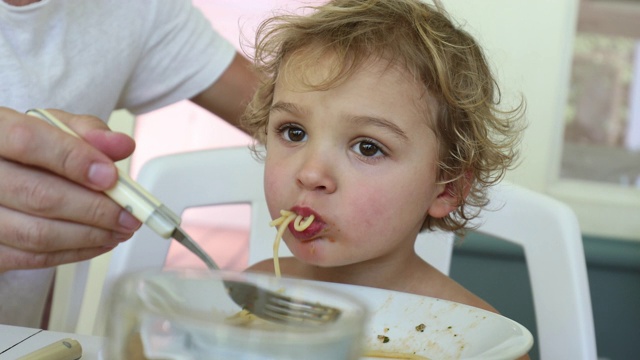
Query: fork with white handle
[[145, 207]]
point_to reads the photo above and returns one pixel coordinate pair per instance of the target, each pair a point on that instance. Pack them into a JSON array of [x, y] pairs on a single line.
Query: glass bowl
[[188, 314]]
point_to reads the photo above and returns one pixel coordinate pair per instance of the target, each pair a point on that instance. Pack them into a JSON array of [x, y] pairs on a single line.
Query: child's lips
[[314, 229]]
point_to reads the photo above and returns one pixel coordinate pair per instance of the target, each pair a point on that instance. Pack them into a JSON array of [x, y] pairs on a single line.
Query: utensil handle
[[65, 349], [127, 193]]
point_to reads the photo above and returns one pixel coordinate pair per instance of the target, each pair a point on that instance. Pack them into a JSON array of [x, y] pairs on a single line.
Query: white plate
[[452, 330]]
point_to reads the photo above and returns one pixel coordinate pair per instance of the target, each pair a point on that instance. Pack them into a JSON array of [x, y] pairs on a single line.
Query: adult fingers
[[13, 259], [116, 146], [40, 235], [45, 195], [27, 140]]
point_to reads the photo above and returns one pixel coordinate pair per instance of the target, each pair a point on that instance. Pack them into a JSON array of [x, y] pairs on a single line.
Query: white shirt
[[92, 57], [100, 55]]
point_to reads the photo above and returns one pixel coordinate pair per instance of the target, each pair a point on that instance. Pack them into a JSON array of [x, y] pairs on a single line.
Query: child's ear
[[448, 200]]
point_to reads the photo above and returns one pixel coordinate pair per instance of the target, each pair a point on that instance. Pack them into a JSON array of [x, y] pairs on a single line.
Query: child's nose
[[317, 174]]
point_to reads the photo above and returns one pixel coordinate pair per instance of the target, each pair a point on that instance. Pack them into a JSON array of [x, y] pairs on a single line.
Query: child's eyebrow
[[287, 107], [380, 122]]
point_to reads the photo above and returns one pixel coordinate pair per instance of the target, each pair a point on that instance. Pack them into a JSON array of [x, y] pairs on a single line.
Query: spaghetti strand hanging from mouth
[[300, 223]]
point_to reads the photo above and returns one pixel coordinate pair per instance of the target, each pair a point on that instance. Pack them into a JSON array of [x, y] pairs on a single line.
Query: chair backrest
[[547, 230], [549, 233]]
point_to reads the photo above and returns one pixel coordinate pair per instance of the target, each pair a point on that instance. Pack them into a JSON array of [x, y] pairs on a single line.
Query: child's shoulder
[[264, 266], [444, 287], [287, 266]]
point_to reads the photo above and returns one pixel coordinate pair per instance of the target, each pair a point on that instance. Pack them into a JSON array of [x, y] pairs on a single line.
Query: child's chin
[[311, 254]]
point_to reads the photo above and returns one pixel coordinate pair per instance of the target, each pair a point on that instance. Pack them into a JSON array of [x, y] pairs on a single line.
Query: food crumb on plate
[[383, 338]]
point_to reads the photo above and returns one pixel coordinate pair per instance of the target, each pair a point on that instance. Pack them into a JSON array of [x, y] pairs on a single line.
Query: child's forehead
[[311, 70], [300, 74]]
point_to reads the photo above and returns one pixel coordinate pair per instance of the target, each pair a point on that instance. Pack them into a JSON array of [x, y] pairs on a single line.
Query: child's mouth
[[312, 230]]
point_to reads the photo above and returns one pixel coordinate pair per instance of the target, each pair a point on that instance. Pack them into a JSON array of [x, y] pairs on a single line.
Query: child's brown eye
[[294, 134], [368, 149]]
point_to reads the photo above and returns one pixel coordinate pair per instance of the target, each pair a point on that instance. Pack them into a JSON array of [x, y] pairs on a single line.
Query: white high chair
[[547, 229], [549, 233]]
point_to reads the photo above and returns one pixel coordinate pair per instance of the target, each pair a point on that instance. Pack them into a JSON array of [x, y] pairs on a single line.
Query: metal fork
[[265, 304], [145, 207]]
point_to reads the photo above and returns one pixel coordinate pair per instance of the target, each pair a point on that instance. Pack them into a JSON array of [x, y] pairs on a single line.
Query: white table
[[19, 341]]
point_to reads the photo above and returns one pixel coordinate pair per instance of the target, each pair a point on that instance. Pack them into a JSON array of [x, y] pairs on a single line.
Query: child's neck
[[395, 274]]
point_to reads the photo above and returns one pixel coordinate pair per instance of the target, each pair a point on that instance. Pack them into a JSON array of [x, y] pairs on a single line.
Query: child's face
[[361, 157]]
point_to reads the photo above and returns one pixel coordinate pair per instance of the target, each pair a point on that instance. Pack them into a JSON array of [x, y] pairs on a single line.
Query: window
[[598, 174], [602, 120]]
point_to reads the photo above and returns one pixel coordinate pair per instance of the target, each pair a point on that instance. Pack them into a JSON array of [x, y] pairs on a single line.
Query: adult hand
[[52, 209]]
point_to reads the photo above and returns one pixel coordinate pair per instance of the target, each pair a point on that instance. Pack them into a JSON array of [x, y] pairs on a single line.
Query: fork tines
[[287, 309]]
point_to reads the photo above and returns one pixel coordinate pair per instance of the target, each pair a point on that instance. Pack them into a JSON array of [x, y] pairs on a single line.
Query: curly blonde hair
[[477, 140]]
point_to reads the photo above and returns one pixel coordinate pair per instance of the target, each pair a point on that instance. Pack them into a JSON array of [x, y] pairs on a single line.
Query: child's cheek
[[272, 193], [367, 207]]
